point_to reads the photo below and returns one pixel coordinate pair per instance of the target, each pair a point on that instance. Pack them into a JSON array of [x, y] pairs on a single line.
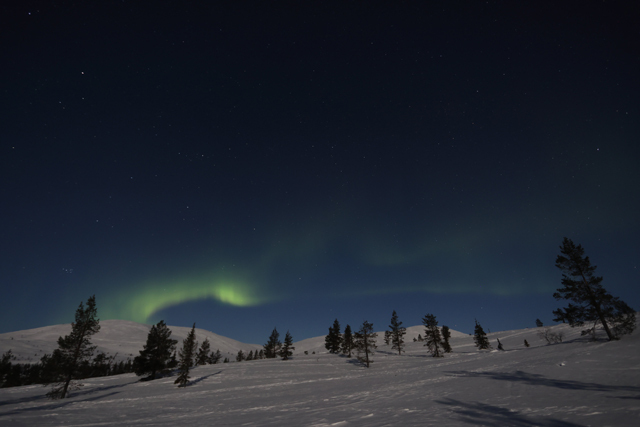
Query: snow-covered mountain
[[116, 337], [570, 384]]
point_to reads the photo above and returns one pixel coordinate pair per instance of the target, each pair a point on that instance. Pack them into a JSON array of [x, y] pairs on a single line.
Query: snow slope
[[574, 383], [121, 337]]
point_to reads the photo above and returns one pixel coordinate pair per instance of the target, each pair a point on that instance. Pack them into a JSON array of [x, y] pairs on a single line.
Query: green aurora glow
[[141, 303], [309, 251]]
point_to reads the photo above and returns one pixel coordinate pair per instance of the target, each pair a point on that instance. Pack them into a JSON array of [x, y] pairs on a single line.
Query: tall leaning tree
[[592, 303], [74, 350]]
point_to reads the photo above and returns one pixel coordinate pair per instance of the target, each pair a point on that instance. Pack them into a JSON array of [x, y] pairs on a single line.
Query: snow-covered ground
[[575, 383]]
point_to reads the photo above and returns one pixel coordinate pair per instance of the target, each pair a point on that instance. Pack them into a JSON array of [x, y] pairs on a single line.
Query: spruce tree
[[387, 337], [593, 304], [74, 350], [287, 347], [173, 362], [347, 341], [432, 335], [365, 343], [539, 323], [5, 366], [187, 354], [204, 353], [480, 338], [250, 355], [396, 334], [272, 347], [155, 356], [333, 340], [215, 357], [240, 356], [446, 334]]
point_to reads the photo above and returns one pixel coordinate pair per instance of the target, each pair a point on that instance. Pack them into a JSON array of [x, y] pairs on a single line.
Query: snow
[[574, 383]]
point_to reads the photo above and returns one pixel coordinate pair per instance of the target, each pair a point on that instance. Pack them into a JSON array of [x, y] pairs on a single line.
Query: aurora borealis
[[252, 167]]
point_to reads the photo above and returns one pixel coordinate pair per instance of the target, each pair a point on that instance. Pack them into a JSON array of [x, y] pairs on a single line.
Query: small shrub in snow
[[550, 337]]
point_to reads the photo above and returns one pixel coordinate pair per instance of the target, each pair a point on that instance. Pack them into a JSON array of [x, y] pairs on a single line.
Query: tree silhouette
[[593, 303]]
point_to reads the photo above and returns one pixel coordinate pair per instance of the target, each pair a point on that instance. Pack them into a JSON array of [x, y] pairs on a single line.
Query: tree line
[[363, 342], [591, 305]]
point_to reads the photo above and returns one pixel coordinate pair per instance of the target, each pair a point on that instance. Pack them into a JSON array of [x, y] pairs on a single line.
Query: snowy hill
[[570, 384], [121, 337], [126, 338]]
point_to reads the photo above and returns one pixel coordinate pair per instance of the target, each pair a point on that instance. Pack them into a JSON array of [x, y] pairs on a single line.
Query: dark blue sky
[[283, 164]]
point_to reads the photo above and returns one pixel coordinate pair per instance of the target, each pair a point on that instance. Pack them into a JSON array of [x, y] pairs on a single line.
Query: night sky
[[284, 164]]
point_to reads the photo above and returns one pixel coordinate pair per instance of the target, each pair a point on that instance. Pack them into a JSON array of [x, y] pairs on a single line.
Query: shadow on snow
[[536, 379], [74, 397], [197, 380], [488, 415]]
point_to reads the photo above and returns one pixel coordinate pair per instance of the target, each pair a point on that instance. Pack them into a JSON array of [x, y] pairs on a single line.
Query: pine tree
[[347, 341], [204, 353], [593, 303], [156, 354], [432, 335], [420, 338], [215, 357], [14, 376], [396, 334], [480, 338], [539, 323], [74, 350], [173, 362], [272, 347], [5, 366], [287, 348], [187, 353], [250, 355], [387, 337], [365, 343], [446, 334], [240, 356], [333, 340], [561, 315]]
